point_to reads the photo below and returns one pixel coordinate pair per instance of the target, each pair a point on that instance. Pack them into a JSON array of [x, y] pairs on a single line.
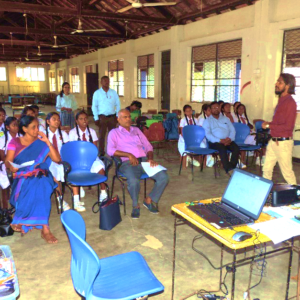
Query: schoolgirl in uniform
[[10, 131], [205, 113], [82, 132], [2, 120], [37, 110], [188, 119], [57, 137], [29, 111]]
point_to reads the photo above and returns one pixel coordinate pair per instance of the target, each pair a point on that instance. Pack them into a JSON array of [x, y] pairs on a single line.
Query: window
[[30, 74], [61, 78], [116, 75], [216, 72], [145, 66], [88, 69], [52, 84], [75, 80], [291, 59], [3, 74]]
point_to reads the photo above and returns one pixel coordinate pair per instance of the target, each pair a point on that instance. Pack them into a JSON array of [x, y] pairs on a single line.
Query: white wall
[[260, 26]]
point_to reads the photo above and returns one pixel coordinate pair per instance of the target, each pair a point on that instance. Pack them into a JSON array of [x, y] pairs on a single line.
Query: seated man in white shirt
[[220, 134]]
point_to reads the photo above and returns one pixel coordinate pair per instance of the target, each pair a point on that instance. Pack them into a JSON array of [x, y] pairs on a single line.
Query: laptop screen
[[247, 193]]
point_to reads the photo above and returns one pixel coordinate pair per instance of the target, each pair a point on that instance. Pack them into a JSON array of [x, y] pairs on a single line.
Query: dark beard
[[278, 93]]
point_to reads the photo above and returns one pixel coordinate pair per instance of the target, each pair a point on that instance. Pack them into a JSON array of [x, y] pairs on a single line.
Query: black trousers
[[222, 149]]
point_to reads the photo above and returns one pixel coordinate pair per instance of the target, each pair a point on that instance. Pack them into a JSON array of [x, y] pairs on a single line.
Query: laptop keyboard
[[221, 212]]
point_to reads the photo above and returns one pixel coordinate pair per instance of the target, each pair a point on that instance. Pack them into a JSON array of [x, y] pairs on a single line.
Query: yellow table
[[184, 215]]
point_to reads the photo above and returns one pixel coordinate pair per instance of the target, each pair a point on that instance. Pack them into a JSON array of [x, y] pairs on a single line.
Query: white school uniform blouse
[[60, 142], [56, 169], [67, 101], [98, 164], [2, 127]]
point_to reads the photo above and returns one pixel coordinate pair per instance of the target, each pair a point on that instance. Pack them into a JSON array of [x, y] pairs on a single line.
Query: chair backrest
[[241, 132], [177, 112], [80, 155], [85, 264], [193, 136], [257, 125], [152, 111]]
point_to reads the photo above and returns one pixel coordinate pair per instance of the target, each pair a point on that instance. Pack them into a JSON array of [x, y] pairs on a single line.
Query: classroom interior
[[250, 42]]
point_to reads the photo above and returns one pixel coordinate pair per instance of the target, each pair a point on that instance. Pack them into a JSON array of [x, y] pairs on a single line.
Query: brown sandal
[[17, 228]]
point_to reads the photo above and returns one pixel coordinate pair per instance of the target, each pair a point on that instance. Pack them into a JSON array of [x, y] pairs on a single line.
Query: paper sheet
[[278, 230], [25, 164], [282, 211], [151, 171]]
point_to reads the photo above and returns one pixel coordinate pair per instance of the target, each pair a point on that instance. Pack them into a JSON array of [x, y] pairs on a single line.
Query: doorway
[[165, 79], [91, 86]]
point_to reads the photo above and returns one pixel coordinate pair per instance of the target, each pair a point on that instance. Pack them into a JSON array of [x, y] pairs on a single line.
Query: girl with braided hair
[[82, 132], [57, 137]]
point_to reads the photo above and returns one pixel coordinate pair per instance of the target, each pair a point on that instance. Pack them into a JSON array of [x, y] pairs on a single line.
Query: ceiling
[[25, 25]]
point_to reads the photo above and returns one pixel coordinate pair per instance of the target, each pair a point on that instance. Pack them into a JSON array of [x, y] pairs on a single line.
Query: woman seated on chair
[[57, 137], [82, 132], [226, 111], [33, 185], [10, 131]]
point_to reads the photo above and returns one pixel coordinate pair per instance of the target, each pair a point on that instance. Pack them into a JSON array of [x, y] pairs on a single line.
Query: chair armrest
[[118, 162], [67, 167], [107, 163]]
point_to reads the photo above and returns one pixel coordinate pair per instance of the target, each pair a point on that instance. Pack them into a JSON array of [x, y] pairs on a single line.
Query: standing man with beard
[[280, 147]]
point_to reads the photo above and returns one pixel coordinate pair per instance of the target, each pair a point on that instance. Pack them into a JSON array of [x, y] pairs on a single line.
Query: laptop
[[241, 203]]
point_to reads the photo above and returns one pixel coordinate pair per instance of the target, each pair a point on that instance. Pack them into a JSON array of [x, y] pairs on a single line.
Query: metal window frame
[[216, 69], [117, 82], [139, 81]]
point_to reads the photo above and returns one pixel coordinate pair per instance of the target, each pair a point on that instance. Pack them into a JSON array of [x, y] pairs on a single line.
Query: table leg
[[233, 275], [289, 270], [174, 257], [250, 275]]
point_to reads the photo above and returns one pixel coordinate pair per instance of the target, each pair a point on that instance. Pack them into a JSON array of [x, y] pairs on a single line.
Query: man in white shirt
[[105, 107]]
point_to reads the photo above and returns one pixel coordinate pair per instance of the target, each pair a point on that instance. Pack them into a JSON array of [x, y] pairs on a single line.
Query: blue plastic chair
[[121, 277], [193, 136], [81, 156], [242, 131], [122, 179]]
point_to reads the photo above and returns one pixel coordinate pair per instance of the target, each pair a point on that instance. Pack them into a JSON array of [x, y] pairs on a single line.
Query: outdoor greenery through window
[[30, 74], [145, 66], [3, 74], [116, 75], [75, 83], [52, 83], [216, 72], [291, 58]]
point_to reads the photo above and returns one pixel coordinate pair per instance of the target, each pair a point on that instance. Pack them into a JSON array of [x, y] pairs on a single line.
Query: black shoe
[[151, 207], [135, 213]]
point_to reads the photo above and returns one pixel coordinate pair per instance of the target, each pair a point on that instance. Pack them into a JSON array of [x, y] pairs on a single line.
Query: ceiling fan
[[29, 59], [43, 54], [138, 4], [59, 46], [80, 30]]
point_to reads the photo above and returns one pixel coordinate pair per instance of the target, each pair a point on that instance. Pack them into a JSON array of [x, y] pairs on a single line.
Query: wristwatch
[[268, 126]]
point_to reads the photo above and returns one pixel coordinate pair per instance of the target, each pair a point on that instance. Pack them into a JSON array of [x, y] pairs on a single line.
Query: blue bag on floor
[[110, 214]]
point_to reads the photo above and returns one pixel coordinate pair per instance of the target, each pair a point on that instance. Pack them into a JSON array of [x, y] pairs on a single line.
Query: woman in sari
[[33, 185]]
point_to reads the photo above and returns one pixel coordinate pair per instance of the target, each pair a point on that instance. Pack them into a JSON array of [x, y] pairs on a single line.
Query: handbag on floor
[[5, 221], [110, 214]]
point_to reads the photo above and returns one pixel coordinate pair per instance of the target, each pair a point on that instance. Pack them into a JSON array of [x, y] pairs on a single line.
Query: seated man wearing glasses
[[131, 145], [220, 134]]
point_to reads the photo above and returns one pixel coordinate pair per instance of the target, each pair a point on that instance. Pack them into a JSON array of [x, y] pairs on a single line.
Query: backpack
[[155, 133], [171, 127]]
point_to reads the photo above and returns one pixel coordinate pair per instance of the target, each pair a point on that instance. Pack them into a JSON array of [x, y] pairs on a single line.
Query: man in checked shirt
[[280, 147]]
